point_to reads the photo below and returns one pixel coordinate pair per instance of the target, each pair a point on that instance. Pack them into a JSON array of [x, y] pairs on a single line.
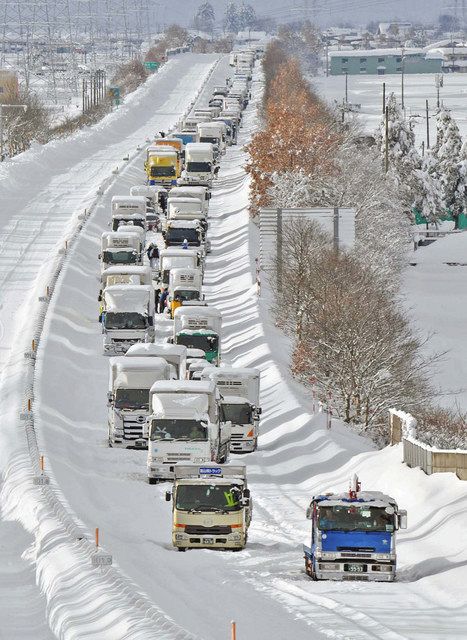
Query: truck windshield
[[178, 429], [184, 295], [353, 517], [236, 413], [135, 222], [123, 256], [132, 399], [166, 172], [177, 236], [198, 341], [124, 320], [208, 497], [198, 167], [210, 139]]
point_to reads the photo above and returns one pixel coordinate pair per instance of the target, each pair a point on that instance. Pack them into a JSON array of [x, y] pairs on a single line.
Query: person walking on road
[[185, 244], [163, 299], [153, 255]]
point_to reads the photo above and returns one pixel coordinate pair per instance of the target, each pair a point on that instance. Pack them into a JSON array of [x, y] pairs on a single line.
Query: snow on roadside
[[42, 192]]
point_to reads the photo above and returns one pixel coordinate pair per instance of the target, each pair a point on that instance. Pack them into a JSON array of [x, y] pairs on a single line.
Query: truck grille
[[236, 436], [132, 430], [196, 530], [356, 550], [174, 457]]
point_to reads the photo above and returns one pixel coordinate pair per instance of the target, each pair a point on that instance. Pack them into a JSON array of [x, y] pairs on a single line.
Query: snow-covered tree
[[231, 18], [246, 16], [447, 163], [205, 17], [417, 187]]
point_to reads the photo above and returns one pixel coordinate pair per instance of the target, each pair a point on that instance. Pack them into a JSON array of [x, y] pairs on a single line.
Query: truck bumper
[[165, 471], [118, 348], [119, 443], [353, 570], [218, 541]]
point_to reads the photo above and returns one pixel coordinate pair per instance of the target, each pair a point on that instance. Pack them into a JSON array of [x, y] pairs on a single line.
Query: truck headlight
[[199, 459], [236, 536], [179, 536], [382, 556], [325, 556], [158, 459]]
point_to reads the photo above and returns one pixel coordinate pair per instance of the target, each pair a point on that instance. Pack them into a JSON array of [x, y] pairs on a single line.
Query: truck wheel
[[181, 548], [255, 444], [309, 569], [153, 480]]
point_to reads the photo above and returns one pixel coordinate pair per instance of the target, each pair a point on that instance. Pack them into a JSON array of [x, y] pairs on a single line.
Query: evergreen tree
[[246, 17], [448, 165], [418, 187], [205, 17], [231, 19]]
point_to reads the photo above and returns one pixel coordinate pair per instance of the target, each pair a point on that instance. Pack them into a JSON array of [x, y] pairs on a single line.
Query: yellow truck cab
[[174, 144], [162, 166], [211, 507]]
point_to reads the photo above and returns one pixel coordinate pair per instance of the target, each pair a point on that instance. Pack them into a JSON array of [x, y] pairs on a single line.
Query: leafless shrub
[[442, 428], [22, 127], [130, 76]]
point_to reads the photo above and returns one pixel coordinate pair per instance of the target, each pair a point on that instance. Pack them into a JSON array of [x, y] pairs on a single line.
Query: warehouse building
[[384, 61]]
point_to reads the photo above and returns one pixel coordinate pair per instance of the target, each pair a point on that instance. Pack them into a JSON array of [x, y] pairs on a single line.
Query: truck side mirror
[[150, 321], [99, 298], [246, 493], [402, 519], [110, 397], [101, 317], [259, 411], [99, 256], [309, 513], [168, 496]]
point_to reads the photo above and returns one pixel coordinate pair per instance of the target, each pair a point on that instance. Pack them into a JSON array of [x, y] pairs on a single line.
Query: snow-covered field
[[152, 591], [368, 91]]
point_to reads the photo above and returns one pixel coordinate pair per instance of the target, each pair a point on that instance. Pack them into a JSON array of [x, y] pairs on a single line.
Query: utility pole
[[336, 230], [402, 81], [327, 59], [386, 146], [427, 126], [384, 97], [346, 88]]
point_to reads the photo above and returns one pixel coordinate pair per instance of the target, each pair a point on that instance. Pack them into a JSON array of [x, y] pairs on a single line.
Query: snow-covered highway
[[151, 589]]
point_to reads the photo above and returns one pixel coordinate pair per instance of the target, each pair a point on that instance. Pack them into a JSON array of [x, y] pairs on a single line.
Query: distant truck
[[177, 258], [199, 328], [199, 164], [184, 426], [193, 231], [127, 209], [162, 166], [130, 380], [353, 535], [128, 316], [120, 248], [184, 286], [239, 389], [211, 507]]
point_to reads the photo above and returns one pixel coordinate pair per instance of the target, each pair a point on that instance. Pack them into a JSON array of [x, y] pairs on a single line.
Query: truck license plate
[[208, 540], [355, 568]]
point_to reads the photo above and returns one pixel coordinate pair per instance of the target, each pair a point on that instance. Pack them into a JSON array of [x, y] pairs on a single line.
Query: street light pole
[[7, 106]]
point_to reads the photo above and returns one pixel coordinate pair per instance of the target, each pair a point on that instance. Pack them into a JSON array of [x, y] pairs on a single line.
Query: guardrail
[[403, 428]]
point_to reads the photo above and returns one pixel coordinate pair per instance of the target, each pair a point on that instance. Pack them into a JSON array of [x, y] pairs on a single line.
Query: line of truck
[[169, 392]]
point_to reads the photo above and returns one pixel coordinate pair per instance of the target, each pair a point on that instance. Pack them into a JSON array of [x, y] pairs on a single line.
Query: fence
[[418, 454]]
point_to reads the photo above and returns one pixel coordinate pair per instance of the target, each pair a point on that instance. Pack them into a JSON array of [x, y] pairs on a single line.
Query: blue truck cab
[[353, 536]]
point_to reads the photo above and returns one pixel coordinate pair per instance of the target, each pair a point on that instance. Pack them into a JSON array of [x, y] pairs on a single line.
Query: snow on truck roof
[[183, 386], [233, 372], [129, 199], [123, 363], [145, 349], [197, 312], [199, 146], [127, 298], [194, 406], [372, 498], [131, 270]]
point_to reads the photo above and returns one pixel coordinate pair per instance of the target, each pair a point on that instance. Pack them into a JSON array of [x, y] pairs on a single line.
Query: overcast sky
[[328, 11]]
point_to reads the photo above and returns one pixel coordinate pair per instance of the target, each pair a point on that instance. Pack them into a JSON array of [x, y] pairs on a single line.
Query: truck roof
[[183, 224], [129, 199], [137, 363], [214, 472], [199, 146], [195, 190], [192, 406], [153, 350], [131, 270], [198, 312], [373, 498], [184, 386], [128, 298], [131, 228], [234, 372], [137, 373], [182, 200], [175, 252]]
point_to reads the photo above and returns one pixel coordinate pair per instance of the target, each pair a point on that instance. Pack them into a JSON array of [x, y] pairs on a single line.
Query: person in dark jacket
[[153, 255], [162, 300]]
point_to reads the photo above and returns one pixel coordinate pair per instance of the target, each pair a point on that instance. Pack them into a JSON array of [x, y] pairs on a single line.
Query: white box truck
[[240, 404], [130, 380], [184, 426], [128, 209], [128, 316], [199, 164], [120, 248]]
